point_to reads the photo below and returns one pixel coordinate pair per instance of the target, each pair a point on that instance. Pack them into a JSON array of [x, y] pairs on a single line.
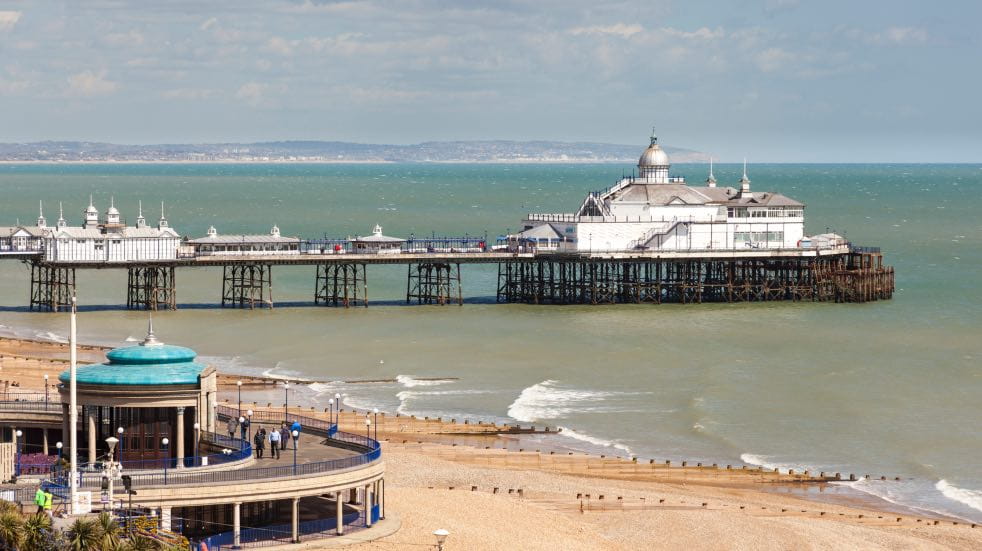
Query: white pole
[[73, 412]]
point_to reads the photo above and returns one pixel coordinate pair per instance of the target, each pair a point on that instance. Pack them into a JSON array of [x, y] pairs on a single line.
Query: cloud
[[279, 45], [619, 29], [128, 39], [772, 59], [904, 35], [8, 19], [255, 93], [208, 23], [189, 93], [88, 83]]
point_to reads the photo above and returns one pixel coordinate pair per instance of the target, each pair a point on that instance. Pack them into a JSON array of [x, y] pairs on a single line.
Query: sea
[[891, 388]]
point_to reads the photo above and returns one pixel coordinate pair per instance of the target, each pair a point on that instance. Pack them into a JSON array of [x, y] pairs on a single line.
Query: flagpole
[[73, 412]]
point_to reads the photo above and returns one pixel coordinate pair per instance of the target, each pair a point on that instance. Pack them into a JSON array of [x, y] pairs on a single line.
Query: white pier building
[[215, 244], [109, 239], [655, 211]]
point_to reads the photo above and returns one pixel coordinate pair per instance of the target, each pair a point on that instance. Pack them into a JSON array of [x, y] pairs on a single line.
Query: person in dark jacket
[[260, 442]]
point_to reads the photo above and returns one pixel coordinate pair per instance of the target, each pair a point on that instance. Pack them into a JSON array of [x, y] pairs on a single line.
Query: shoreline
[[539, 462]]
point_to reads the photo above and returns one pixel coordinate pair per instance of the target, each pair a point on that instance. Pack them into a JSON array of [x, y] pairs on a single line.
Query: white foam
[[409, 382], [593, 440], [324, 388], [547, 400], [49, 336], [971, 498], [407, 396], [765, 462]]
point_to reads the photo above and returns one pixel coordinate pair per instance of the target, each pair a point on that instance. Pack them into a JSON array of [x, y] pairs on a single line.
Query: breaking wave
[[409, 382], [971, 498], [548, 400], [568, 432]]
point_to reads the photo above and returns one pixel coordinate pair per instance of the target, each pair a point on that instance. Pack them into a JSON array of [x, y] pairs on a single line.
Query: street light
[[296, 435], [337, 414], [242, 428], [286, 401], [45, 391], [239, 384], [368, 428], [330, 404], [111, 467], [18, 434], [441, 536], [59, 445], [375, 411], [249, 417], [120, 432]]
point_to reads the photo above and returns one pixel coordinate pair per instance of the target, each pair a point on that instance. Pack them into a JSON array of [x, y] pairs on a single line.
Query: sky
[[771, 80]]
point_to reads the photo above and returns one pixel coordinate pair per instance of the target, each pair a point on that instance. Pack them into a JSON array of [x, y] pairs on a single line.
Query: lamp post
[[242, 428], [441, 536], [73, 408], [120, 431], [330, 404], [111, 468], [337, 413], [239, 384], [286, 402], [197, 443], [59, 445], [296, 435], [249, 419], [166, 441], [45, 392], [375, 412], [18, 434], [368, 427]]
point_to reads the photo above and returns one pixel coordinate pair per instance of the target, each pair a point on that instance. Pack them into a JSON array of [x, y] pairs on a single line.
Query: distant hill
[[319, 151]]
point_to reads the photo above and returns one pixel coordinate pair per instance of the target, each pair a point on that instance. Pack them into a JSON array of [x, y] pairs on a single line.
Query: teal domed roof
[[148, 363]]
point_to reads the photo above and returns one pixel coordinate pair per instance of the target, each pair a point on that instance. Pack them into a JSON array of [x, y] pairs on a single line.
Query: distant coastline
[[322, 152]]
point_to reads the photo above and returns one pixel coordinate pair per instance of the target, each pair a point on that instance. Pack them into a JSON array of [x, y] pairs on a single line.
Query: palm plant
[[110, 532], [37, 533], [11, 530], [84, 534], [142, 543]]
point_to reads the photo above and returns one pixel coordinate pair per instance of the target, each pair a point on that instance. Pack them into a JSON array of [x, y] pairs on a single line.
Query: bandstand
[[150, 412]]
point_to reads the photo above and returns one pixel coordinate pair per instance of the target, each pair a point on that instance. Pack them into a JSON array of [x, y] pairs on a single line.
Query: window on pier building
[[758, 237], [737, 212]]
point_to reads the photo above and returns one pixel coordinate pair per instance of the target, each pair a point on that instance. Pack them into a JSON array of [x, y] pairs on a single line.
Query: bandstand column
[[339, 513], [92, 434], [165, 519], [236, 526], [295, 520], [180, 437], [368, 505], [44, 442]]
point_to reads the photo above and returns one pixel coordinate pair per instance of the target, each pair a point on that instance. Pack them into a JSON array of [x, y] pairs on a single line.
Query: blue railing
[[308, 424], [278, 534]]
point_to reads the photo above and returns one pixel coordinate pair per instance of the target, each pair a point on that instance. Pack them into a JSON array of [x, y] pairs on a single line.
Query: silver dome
[[653, 156]]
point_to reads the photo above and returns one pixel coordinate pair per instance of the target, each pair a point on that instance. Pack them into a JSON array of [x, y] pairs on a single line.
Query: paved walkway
[[311, 450]]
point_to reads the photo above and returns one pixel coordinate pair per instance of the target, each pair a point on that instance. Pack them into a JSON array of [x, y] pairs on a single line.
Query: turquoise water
[[890, 388]]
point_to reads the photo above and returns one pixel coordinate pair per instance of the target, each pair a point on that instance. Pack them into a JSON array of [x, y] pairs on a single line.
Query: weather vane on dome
[[654, 138]]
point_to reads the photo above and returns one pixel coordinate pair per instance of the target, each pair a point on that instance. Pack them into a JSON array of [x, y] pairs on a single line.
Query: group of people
[[43, 498], [275, 438]]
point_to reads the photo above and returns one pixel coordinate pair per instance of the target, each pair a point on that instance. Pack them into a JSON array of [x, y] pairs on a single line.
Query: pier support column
[[295, 520], [151, 288], [51, 287], [339, 513], [341, 284], [434, 283], [368, 505], [247, 285], [237, 525]]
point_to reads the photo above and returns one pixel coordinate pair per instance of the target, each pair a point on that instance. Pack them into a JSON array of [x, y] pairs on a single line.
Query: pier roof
[[667, 194]]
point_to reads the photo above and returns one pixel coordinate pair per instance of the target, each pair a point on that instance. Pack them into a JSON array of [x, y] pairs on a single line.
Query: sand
[[659, 507]]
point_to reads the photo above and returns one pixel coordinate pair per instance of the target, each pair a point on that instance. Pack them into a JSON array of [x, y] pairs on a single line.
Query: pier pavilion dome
[[653, 165]]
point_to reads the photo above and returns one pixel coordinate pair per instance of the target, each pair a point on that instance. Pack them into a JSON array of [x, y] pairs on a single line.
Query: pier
[[843, 273]]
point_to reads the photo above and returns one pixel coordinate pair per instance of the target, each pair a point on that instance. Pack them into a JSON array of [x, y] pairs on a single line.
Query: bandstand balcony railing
[[272, 417]]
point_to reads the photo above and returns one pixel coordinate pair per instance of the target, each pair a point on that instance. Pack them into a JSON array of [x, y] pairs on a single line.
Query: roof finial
[[40, 209], [141, 208], [744, 182], [112, 201], [745, 169], [151, 339], [711, 181], [654, 138]]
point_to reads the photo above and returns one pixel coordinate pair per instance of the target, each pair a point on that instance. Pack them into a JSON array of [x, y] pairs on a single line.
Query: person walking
[[231, 427], [260, 443], [284, 436], [48, 498], [274, 444], [39, 499]]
